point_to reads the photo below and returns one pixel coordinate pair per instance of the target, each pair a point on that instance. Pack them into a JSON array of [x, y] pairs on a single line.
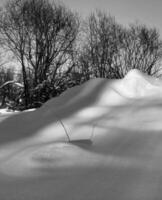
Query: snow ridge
[[137, 84]]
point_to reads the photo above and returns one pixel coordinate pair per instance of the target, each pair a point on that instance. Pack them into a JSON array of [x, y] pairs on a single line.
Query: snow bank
[[6, 111], [122, 118], [137, 84], [78, 110]]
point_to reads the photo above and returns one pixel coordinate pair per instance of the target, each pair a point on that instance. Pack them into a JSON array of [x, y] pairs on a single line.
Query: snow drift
[[122, 119], [137, 85]]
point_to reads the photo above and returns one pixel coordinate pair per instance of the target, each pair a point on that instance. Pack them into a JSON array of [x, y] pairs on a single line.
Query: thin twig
[[66, 132]]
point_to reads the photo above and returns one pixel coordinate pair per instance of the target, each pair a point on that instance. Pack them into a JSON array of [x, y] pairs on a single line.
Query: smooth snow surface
[[115, 152]]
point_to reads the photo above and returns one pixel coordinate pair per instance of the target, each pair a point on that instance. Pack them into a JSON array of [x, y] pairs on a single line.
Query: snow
[[12, 83], [115, 148], [5, 111], [137, 85]]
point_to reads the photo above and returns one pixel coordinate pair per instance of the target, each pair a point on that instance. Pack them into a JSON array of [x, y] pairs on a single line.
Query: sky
[[125, 11]]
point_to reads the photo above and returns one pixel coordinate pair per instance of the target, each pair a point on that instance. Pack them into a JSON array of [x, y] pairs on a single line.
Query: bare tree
[[103, 43], [111, 50], [141, 49], [41, 35]]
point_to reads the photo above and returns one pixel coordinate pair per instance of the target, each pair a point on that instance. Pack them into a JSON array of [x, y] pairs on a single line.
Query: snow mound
[[115, 147], [90, 112], [137, 84], [107, 92]]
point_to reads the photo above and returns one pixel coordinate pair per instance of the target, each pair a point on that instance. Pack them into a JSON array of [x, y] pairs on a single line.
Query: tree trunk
[[26, 87]]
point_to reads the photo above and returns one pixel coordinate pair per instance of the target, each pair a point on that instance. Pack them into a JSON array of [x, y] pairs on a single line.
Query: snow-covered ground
[[115, 148]]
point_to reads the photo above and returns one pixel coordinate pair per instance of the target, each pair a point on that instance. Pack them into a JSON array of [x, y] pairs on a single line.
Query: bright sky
[[125, 11]]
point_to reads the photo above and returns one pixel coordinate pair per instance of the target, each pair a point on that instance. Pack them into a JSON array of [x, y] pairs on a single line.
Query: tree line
[[56, 49]]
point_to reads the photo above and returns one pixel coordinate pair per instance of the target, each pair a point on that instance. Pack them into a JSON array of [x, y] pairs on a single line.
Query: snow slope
[[122, 119], [137, 85]]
